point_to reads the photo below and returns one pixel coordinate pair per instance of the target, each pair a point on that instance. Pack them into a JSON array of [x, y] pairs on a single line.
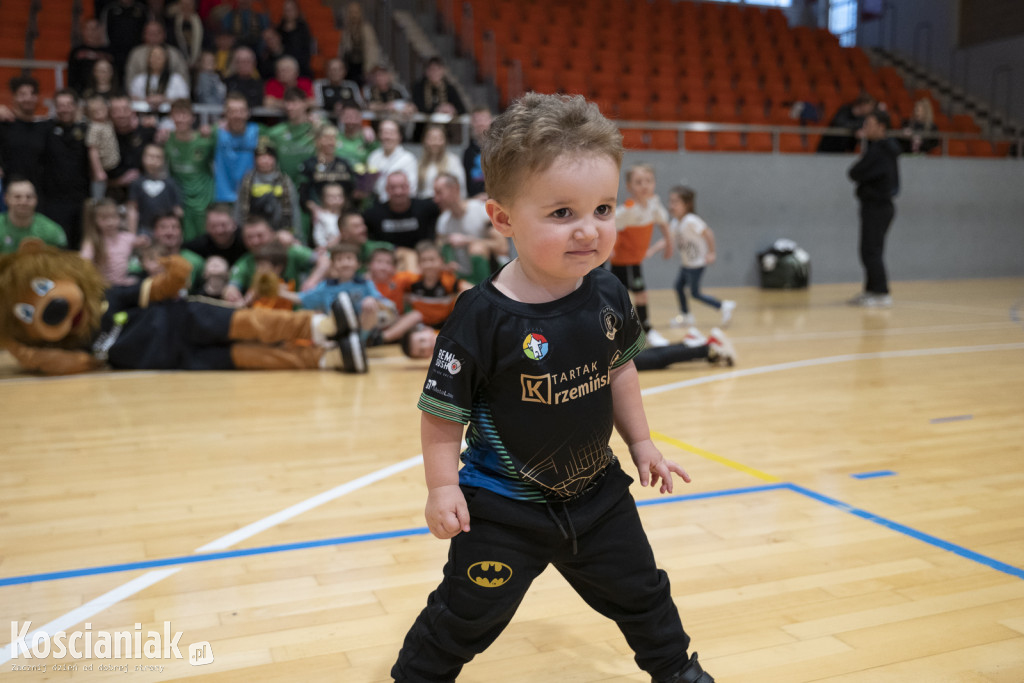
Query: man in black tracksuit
[[877, 177]]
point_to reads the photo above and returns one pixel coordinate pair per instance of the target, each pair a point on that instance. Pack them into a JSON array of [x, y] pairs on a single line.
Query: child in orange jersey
[[635, 221]]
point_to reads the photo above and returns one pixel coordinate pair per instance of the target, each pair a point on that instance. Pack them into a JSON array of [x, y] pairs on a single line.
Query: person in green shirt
[[167, 239], [355, 141], [353, 230], [189, 160], [21, 219], [295, 138], [255, 233]]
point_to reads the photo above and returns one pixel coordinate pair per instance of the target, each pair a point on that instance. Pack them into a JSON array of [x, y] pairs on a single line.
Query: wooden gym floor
[[856, 514]]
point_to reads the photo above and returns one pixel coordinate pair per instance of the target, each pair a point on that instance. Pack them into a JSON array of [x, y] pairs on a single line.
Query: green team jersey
[[355, 150], [41, 227], [300, 261], [190, 164], [294, 144]]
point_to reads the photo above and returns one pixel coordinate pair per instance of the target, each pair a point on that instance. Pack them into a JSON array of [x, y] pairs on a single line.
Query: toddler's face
[[676, 205], [344, 266]]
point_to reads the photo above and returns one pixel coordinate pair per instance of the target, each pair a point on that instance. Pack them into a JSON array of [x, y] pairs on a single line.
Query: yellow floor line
[[716, 458]]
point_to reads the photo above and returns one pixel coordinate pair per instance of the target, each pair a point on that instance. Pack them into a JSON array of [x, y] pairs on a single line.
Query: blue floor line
[[420, 531], [912, 533], [874, 475]]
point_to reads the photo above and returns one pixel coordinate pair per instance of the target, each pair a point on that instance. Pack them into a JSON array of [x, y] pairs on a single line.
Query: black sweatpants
[[596, 542], [875, 219]]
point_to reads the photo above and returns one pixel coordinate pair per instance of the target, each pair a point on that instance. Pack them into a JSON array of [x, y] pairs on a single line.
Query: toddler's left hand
[[652, 466]]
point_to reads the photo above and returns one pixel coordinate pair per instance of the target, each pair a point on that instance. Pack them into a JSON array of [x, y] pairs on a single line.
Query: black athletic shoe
[[344, 313], [691, 673], [353, 354]]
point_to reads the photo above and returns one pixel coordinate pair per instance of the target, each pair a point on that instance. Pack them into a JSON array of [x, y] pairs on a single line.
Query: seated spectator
[[385, 97], [402, 220], [153, 193], [185, 31], [917, 138], [326, 232], [235, 148], [391, 157], [224, 52], [382, 271], [355, 141], [102, 81], [435, 93], [107, 244], [430, 294], [168, 238], [468, 240], [256, 232], [436, 159], [244, 78], [269, 51], [337, 271], [245, 23], [139, 58], [334, 90], [222, 239], [84, 56], [214, 279], [209, 88], [286, 76], [123, 22], [850, 116], [352, 229], [158, 85], [295, 36], [266, 191], [358, 48], [21, 220], [323, 168]]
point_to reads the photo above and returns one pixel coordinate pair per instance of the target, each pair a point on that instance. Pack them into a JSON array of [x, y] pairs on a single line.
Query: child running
[[696, 244], [635, 221], [538, 360]]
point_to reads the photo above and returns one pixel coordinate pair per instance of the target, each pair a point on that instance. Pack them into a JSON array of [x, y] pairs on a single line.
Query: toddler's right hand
[[447, 513]]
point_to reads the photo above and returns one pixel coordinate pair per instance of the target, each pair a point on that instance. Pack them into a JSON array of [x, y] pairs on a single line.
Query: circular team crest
[[610, 321], [454, 366], [535, 346]]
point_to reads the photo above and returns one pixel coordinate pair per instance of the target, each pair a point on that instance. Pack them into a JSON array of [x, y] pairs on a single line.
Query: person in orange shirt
[[635, 221]]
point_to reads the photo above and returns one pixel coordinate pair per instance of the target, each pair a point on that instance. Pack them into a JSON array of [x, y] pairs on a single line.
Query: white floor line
[[125, 591]]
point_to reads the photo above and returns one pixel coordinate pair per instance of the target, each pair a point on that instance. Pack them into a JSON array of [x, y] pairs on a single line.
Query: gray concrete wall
[[955, 218]]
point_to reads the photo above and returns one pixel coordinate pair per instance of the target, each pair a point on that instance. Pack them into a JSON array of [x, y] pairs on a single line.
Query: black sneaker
[[344, 313], [691, 673], [353, 354]]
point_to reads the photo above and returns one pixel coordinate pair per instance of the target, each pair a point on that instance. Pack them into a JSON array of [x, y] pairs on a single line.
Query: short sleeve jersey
[[533, 381], [688, 235]]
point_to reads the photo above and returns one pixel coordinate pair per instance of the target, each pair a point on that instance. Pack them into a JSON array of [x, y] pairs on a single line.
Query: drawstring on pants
[[572, 529]]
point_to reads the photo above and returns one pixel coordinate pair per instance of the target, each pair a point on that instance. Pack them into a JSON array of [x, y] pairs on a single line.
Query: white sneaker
[[728, 306], [682, 320], [654, 338], [858, 300], [722, 351], [877, 301], [694, 338]]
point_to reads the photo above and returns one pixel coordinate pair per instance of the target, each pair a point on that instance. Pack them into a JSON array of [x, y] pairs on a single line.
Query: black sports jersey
[[533, 382]]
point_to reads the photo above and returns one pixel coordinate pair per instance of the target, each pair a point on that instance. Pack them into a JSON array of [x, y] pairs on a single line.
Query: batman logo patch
[[489, 574]]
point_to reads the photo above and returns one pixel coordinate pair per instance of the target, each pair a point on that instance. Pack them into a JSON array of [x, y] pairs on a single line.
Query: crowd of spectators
[[123, 172]]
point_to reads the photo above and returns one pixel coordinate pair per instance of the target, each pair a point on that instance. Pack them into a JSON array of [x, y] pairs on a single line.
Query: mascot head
[[48, 296]]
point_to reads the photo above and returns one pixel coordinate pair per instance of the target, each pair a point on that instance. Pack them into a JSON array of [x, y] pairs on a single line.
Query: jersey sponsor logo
[[557, 388], [489, 574], [447, 361], [611, 322], [535, 346]]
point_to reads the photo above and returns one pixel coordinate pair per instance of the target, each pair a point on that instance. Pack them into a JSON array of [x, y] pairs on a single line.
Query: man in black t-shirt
[[132, 137], [403, 220], [22, 137], [222, 237], [66, 163]]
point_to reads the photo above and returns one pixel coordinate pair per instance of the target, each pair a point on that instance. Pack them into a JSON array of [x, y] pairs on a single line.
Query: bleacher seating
[[684, 61]]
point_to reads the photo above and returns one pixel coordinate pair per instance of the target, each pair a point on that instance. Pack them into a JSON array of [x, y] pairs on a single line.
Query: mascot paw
[[169, 283], [52, 361]]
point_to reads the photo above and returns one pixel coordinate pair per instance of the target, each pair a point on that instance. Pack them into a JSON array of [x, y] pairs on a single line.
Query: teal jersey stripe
[[443, 410]]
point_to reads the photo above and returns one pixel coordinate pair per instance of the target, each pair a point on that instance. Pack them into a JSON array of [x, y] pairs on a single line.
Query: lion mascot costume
[[57, 317]]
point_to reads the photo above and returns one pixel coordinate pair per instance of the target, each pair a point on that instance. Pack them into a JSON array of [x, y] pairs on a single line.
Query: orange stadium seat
[[634, 138], [665, 140], [697, 141]]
